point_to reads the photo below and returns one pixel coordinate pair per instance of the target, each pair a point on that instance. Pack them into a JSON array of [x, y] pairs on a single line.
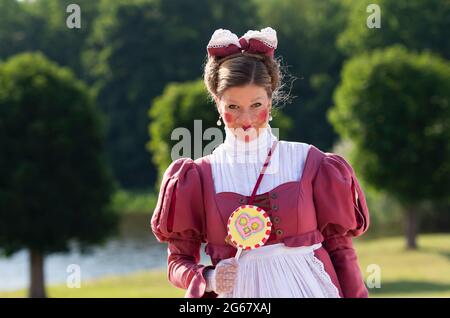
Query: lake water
[[134, 249]]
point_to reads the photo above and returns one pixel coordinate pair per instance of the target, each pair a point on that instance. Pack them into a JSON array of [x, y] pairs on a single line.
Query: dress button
[[279, 232], [276, 220], [275, 207], [273, 195]]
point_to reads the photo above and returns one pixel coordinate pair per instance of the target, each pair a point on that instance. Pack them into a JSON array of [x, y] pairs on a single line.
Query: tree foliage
[[395, 106], [137, 48], [55, 185]]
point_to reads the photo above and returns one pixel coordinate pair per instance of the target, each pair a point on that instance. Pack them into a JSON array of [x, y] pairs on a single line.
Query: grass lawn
[[422, 273], [142, 284]]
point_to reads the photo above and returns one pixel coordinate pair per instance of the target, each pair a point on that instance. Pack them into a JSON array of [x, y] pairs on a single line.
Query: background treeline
[[142, 62]]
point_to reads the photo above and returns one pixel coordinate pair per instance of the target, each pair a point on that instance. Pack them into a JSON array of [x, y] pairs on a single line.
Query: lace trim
[[331, 289], [266, 35], [223, 38]]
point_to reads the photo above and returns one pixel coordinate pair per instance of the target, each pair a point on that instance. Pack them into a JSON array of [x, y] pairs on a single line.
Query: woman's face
[[245, 110]]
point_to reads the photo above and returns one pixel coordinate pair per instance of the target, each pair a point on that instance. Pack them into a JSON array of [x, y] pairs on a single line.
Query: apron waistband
[[279, 249]]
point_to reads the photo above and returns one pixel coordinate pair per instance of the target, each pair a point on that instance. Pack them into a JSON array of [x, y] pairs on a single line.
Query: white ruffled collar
[[255, 149]]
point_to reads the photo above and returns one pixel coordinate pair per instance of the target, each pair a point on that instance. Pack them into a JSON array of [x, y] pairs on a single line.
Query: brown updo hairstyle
[[242, 69]]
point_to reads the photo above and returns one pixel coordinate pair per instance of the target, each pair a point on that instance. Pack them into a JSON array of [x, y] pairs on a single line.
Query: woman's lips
[[246, 127]]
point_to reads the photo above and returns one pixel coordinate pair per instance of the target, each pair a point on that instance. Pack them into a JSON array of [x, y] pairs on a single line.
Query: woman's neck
[[255, 149]]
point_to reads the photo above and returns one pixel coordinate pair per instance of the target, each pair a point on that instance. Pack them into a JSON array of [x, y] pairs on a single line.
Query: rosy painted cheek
[[262, 116], [229, 118]]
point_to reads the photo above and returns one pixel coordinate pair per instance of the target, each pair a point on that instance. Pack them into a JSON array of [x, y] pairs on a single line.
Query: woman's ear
[[217, 101]]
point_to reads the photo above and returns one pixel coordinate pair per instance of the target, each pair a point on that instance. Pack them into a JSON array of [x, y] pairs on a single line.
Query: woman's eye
[[232, 106], [257, 104]]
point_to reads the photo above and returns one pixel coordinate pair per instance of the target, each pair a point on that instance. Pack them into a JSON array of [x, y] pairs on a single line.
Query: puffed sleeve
[[342, 213], [179, 220]]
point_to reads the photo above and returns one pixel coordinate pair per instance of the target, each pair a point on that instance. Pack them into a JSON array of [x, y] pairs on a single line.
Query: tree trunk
[[37, 286], [411, 227]]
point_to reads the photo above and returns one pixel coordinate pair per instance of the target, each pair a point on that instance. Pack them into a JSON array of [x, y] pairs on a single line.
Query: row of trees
[[128, 51]]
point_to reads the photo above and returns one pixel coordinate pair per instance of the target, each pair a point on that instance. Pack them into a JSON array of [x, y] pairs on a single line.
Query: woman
[[313, 198]]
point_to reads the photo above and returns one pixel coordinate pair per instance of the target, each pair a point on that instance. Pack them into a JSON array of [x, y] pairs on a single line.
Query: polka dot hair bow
[[224, 42]]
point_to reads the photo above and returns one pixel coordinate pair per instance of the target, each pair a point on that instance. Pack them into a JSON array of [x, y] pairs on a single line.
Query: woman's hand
[[223, 277]]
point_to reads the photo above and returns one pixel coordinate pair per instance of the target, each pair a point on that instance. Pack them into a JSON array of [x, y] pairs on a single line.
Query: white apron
[[279, 271]]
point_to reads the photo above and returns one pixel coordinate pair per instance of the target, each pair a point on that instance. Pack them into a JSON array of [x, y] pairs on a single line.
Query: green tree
[[394, 105], [41, 26], [15, 33], [55, 186], [60, 43], [416, 24], [137, 47], [307, 31], [180, 105]]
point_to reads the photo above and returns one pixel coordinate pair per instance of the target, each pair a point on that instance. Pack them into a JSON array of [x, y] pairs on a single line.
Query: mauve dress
[[314, 220]]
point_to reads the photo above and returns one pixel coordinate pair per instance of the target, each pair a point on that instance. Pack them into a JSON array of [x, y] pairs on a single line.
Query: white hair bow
[[224, 42]]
